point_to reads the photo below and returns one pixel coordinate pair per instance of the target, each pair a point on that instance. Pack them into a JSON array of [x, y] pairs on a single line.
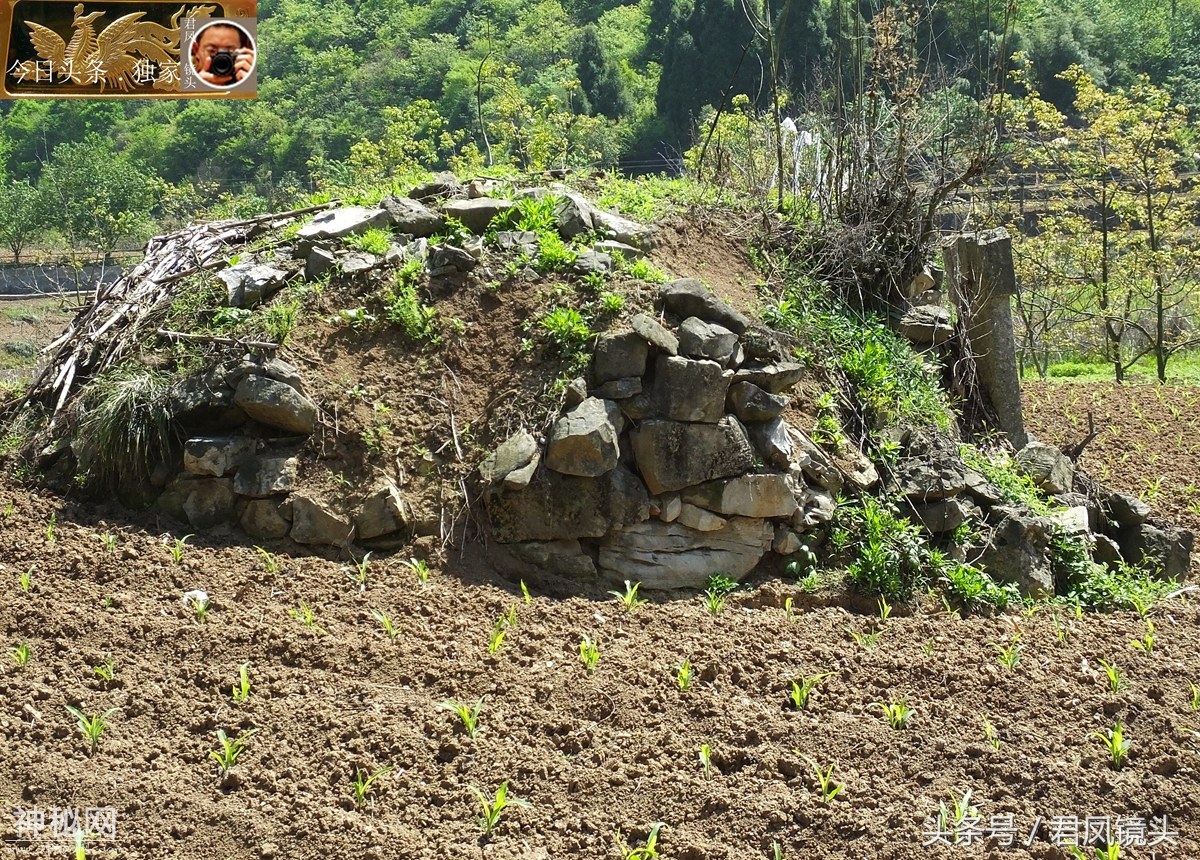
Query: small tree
[[22, 215]]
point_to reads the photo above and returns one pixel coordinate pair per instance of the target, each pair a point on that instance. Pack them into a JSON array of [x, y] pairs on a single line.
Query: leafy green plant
[[25, 580], [1116, 743], [629, 597], [390, 629], [357, 318], [494, 807], [685, 675], [270, 562], [705, 757], [1115, 681], [91, 727], [403, 305], [890, 552], [241, 690], [646, 851], [1146, 643], [611, 303], [589, 653], [229, 750], [108, 540], [375, 241], [177, 548], [553, 254], [106, 671], [989, 733], [305, 615], [363, 783], [642, 270], [420, 567], [566, 328], [897, 713], [22, 654], [802, 689], [866, 639], [468, 715], [1009, 655], [828, 789]]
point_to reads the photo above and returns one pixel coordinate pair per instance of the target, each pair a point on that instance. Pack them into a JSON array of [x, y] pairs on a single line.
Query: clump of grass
[[124, 426], [375, 241], [363, 783], [91, 727], [802, 689], [468, 715]]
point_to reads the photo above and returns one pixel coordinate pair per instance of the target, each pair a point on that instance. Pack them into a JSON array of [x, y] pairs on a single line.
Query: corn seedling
[[26, 580], [305, 615], [510, 616], [776, 851], [359, 574], [589, 653], [108, 541], [499, 631], [789, 609], [52, 528], [1108, 852], [494, 808], [106, 671], [1116, 743], [953, 819], [420, 567], [241, 690], [199, 603], [705, 757], [7, 513], [525, 594], [362, 783], [1115, 681], [629, 597], [803, 688], [177, 549], [91, 727], [927, 646], [21, 654], [649, 851], [1061, 631], [1146, 643], [467, 715], [885, 609], [989, 734], [714, 601], [685, 674], [866, 640], [1195, 700], [1009, 655], [270, 562], [390, 628], [828, 788], [230, 749], [897, 713]]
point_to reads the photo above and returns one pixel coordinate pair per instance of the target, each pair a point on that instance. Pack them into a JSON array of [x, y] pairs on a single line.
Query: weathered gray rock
[[669, 507], [449, 259], [1126, 511], [648, 328], [576, 393], [786, 541], [619, 355], [444, 184], [699, 519], [773, 378], [478, 213], [520, 242], [556, 507], [573, 214], [669, 555], [1073, 520], [266, 518], [814, 463], [619, 389], [982, 490], [356, 262], [514, 454], [410, 216], [766, 495], [700, 339], [216, 456], [944, 515], [1106, 551], [260, 477], [672, 455], [688, 390], [383, 512], [1166, 551], [344, 221], [773, 442], [624, 230], [1016, 553], [817, 507], [274, 404], [926, 325], [858, 470], [688, 297], [584, 442], [750, 403], [274, 368], [319, 261], [564, 558], [611, 246], [1049, 468], [592, 263], [247, 284], [930, 468], [762, 345], [209, 501], [315, 522]]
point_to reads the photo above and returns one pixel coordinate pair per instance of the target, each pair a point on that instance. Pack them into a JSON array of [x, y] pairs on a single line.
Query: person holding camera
[[222, 55]]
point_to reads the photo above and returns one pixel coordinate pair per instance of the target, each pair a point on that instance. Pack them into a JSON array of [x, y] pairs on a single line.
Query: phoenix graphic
[[110, 57]]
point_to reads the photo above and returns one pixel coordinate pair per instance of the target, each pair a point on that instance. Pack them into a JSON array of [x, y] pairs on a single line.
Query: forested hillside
[[527, 83]]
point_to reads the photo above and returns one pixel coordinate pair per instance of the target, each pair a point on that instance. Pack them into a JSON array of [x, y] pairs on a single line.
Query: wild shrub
[[889, 551], [124, 425]]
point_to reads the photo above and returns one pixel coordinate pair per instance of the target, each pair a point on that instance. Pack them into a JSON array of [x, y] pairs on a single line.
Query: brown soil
[[593, 753], [1148, 442]]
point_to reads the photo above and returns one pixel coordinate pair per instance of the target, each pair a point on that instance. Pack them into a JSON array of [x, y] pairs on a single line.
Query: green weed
[[374, 241], [802, 689], [25, 580], [468, 715], [108, 540], [91, 727], [420, 567], [989, 733], [363, 783], [867, 639], [1146, 643], [126, 425], [494, 808], [229, 750], [589, 653], [566, 328]]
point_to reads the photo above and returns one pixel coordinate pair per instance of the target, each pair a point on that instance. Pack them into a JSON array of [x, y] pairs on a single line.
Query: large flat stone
[[216, 456], [672, 455], [315, 522], [670, 555], [767, 495], [563, 507], [584, 441], [689, 390], [688, 297], [276, 405], [260, 477]]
